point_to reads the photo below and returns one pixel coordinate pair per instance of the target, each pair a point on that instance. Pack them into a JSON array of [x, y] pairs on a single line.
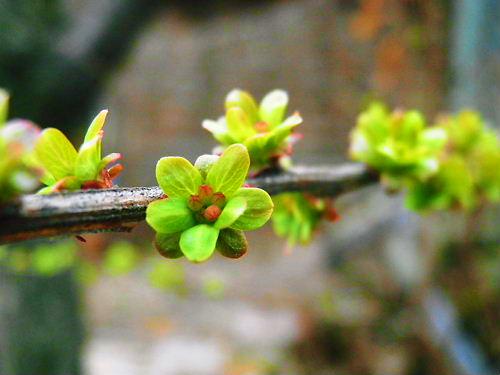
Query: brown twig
[[119, 209]]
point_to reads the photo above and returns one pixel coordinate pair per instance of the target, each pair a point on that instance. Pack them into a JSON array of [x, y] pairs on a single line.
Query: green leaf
[[177, 177], [257, 148], [273, 107], [169, 215], [4, 106], [433, 138], [239, 125], [232, 243], [245, 101], [89, 159], [96, 125], [219, 130], [198, 243], [231, 212], [259, 209], [228, 174], [55, 153], [281, 132], [168, 245]]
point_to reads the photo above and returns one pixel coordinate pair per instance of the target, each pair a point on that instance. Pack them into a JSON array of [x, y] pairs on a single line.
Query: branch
[[119, 209]]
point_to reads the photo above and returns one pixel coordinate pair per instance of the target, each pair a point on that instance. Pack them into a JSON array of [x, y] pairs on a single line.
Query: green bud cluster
[[207, 205], [399, 145], [17, 173], [65, 168], [453, 164], [262, 128], [296, 216], [207, 208], [469, 172]]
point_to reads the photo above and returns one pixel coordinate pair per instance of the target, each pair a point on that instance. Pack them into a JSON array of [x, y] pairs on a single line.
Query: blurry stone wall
[[331, 56]]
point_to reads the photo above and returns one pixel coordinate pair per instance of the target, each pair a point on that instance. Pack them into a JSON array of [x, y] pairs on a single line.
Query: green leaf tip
[[228, 174], [198, 243]]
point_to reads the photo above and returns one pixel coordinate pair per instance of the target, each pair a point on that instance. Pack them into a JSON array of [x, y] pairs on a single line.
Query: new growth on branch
[[198, 209]]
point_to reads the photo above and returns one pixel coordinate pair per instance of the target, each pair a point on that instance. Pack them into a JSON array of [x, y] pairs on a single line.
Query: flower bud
[[212, 213], [195, 203], [205, 193], [219, 200]]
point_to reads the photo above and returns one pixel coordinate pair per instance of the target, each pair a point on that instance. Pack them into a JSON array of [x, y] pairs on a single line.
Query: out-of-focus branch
[[119, 209]]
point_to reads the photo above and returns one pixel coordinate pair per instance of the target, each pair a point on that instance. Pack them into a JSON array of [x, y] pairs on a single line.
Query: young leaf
[[231, 212], [96, 125], [168, 245], [108, 159], [281, 132], [219, 130], [273, 106], [228, 174], [55, 153], [243, 100], [198, 243], [88, 159], [238, 124], [169, 215], [259, 209], [177, 177]]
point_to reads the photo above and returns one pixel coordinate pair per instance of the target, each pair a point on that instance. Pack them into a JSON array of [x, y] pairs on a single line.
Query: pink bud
[[219, 200], [195, 203], [205, 192], [212, 213]]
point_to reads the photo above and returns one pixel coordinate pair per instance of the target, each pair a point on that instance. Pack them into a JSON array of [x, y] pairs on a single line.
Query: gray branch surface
[[119, 209]]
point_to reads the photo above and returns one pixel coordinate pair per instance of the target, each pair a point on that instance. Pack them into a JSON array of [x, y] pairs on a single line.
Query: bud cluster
[[207, 205]]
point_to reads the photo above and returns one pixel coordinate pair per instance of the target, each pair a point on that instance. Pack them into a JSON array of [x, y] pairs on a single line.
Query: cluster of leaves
[[453, 164], [206, 207], [399, 145], [263, 129], [268, 134], [297, 215], [469, 170], [64, 168], [17, 137]]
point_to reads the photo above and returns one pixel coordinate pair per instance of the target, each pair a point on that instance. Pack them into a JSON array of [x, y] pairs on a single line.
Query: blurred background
[[383, 291]]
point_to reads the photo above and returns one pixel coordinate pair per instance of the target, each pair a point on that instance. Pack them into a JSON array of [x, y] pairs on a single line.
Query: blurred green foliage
[[17, 173], [297, 215], [121, 257], [469, 173], [167, 276], [453, 164], [399, 145]]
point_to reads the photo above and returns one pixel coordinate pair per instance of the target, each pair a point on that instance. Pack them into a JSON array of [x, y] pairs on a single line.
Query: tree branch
[[119, 209]]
